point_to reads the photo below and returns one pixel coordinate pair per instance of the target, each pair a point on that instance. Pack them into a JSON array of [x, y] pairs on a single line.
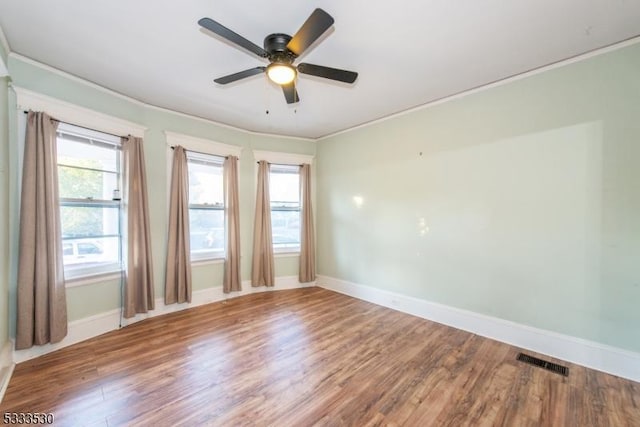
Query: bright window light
[[206, 206], [284, 192], [88, 178]]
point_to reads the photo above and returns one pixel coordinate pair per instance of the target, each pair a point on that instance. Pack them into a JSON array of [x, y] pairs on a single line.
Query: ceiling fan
[[282, 50]]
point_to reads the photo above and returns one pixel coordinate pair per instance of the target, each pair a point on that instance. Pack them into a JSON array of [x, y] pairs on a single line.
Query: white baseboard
[[583, 352], [6, 367], [5, 354], [89, 327]]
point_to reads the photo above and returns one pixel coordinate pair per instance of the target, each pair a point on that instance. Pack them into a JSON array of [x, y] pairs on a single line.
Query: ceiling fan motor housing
[[276, 47]]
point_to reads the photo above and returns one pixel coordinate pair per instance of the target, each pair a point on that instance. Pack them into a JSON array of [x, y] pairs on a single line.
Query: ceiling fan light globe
[[281, 74]]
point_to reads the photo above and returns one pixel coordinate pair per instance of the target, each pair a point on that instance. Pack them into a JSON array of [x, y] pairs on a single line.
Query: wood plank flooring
[[308, 357]]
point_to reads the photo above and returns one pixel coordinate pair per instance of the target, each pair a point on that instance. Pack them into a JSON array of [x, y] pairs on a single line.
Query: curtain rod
[[283, 164], [83, 127], [173, 147]]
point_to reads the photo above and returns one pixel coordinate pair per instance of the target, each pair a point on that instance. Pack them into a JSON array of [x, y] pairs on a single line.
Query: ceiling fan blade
[[233, 37], [290, 93], [328, 72], [238, 76], [313, 27]]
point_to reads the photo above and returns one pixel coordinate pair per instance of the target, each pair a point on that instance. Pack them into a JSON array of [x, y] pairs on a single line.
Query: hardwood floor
[[308, 357]]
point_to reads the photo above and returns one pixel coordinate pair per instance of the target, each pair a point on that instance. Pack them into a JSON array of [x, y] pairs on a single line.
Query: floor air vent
[[550, 366]]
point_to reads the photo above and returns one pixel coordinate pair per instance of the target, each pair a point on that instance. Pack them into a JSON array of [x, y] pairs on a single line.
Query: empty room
[[419, 213]]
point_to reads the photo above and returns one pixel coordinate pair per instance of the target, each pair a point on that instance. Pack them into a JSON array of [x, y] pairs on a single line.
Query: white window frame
[[80, 116], [71, 113], [95, 138], [213, 161], [206, 147], [284, 159]]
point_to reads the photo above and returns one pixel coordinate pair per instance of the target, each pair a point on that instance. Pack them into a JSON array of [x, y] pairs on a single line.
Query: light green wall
[[92, 299], [4, 203], [3, 52], [4, 213], [520, 201]]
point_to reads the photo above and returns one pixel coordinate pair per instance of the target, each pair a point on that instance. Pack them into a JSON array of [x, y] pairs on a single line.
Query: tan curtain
[[138, 287], [262, 272], [42, 308], [307, 238], [177, 285], [231, 281]]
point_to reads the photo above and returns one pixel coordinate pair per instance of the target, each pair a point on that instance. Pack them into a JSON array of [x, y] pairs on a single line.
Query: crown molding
[[71, 113], [491, 85], [135, 101], [497, 83], [202, 145], [74, 78], [4, 42]]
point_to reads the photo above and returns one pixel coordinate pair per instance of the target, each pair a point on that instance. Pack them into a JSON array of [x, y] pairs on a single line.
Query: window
[[89, 180], [284, 193], [206, 206]]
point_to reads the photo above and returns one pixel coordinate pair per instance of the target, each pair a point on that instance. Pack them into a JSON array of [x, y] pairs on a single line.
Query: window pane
[[75, 153], [67, 248], [205, 184], [89, 169], [206, 189], [80, 221], [284, 188], [78, 183], [89, 248], [94, 252], [206, 227], [285, 226]]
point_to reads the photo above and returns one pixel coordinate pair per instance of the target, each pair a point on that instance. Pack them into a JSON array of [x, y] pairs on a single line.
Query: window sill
[[286, 254], [92, 278], [208, 261]]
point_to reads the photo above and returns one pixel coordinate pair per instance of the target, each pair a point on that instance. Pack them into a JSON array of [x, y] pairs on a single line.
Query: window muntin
[[88, 173], [206, 206], [284, 194]]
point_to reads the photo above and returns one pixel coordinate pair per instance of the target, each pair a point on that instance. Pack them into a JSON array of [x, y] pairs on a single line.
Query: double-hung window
[[206, 206], [284, 194], [89, 183]]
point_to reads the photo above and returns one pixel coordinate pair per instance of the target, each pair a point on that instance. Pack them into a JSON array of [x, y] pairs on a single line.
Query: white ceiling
[[407, 53]]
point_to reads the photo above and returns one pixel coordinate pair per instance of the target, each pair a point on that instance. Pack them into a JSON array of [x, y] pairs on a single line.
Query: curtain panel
[[231, 281], [138, 286], [41, 299], [262, 270], [307, 271], [177, 287]]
